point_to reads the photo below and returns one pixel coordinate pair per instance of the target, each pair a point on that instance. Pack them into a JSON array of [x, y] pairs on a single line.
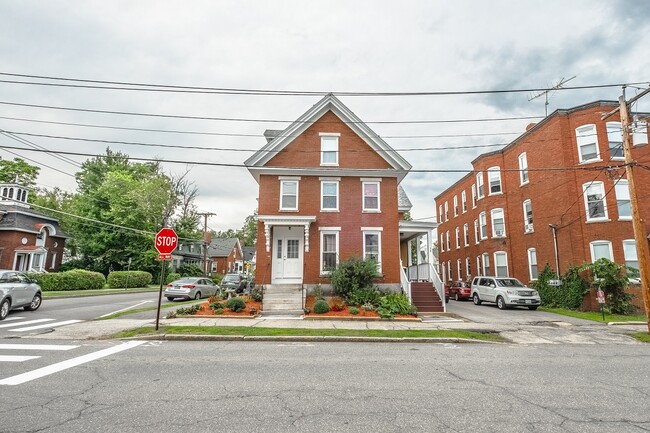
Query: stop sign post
[[166, 241]]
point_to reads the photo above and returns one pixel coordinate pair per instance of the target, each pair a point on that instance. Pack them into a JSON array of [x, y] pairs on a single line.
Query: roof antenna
[[547, 91]]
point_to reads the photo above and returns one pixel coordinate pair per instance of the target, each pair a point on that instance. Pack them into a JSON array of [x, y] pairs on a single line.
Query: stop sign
[[166, 241]]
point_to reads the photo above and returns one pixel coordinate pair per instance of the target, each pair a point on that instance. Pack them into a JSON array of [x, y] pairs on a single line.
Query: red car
[[460, 290]]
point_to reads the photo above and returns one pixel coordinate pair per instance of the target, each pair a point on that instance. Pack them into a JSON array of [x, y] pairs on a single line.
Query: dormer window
[[329, 148]]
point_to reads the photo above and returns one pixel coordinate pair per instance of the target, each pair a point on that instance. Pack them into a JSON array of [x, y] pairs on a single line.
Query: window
[[486, 263], [457, 237], [468, 268], [476, 236], [483, 223], [466, 234], [473, 196], [615, 138], [53, 264], [478, 265], [440, 214], [446, 211], [498, 223], [631, 259], [595, 206], [523, 169], [442, 243], [444, 273], [329, 249], [639, 133], [448, 270], [623, 199], [372, 245], [587, 143], [528, 217], [532, 263], [455, 205], [494, 180], [448, 244], [329, 195], [501, 264], [371, 196], [329, 148], [289, 195], [600, 249], [460, 271], [463, 199], [479, 185]]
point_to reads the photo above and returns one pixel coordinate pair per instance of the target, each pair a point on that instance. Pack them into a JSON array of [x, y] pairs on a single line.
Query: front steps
[[282, 300], [425, 298]]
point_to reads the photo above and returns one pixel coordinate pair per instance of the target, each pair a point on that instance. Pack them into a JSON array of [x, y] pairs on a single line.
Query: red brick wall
[[10, 240]]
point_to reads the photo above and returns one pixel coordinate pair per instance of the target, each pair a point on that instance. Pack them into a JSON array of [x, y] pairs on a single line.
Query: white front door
[[288, 245]]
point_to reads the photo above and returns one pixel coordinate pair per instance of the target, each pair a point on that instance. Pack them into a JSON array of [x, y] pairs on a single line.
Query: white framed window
[[478, 266], [473, 196], [486, 263], [498, 223], [528, 217], [523, 169], [440, 215], [532, 264], [587, 143], [476, 235], [329, 148], [463, 200], [466, 234], [446, 211], [494, 180], [468, 267], [501, 264], [442, 243], [615, 139], [457, 237], [371, 196], [444, 272], [329, 249], [480, 188], [329, 191], [460, 270], [372, 244], [623, 199], [631, 259], [455, 205], [53, 264], [289, 194], [482, 218], [639, 133], [448, 270], [595, 205], [601, 249], [448, 243]]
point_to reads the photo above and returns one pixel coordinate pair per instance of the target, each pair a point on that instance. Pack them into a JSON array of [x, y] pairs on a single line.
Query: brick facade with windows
[[581, 202]]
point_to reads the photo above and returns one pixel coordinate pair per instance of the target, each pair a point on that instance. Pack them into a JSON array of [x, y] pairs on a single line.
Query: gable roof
[[278, 141], [222, 247]]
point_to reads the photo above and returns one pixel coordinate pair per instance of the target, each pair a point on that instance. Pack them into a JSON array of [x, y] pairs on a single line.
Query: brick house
[[549, 187], [226, 255], [29, 240], [329, 189]]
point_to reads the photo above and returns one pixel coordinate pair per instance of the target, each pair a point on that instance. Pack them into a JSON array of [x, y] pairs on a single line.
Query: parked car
[[17, 290], [460, 290], [506, 292], [239, 282], [191, 288]]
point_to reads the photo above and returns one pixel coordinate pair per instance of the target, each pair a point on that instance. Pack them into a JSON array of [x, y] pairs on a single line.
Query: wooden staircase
[[425, 298]]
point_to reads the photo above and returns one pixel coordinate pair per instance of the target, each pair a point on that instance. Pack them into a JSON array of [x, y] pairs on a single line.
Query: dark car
[[460, 290], [18, 290], [238, 282]]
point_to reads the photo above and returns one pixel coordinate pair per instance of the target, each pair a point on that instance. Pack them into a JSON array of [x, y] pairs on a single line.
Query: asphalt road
[[332, 387]]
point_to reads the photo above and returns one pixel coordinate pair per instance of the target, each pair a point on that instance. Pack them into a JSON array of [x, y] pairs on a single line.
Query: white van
[[506, 292]]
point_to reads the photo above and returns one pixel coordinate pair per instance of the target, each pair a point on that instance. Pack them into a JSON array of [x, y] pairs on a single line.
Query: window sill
[[370, 211], [590, 161], [625, 219], [288, 210], [499, 237], [595, 221], [524, 183], [329, 210], [495, 193], [329, 164], [527, 232]]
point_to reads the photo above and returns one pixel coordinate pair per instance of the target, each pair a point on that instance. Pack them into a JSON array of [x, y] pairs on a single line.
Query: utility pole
[[206, 242], [637, 223]]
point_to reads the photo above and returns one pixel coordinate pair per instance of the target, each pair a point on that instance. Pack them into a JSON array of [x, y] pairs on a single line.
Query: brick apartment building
[[507, 216]]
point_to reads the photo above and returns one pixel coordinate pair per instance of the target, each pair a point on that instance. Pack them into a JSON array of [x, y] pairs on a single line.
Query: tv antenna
[[547, 91]]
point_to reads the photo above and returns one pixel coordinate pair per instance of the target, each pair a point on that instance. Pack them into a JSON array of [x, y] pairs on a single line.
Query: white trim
[[530, 264], [496, 234], [363, 196], [601, 242], [322, 195], [329, 229], [479, 175], [523, 168], [584, 134], [528, 226], [501, 253], [497, 170], [336, 248], [369, 231], [585, 187], [624, 184], [329, 179], [296, 178], [370, 179], [335, 151], [372, 229], [282, 183], [329, 134]]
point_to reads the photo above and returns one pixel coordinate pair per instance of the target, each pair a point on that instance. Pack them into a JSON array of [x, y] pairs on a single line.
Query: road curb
[[307, 338]]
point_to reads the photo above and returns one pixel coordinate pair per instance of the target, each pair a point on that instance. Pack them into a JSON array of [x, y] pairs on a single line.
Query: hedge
[[171, 277], [76, 279], [128, 279]]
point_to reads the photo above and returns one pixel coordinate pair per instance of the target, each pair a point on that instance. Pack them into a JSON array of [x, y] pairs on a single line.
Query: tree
[[18, 171], [249, 230]]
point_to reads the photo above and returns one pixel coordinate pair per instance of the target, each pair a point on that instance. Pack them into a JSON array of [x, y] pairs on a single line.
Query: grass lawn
[[596, 316], [641, 336], [248, 331], [74, 293]]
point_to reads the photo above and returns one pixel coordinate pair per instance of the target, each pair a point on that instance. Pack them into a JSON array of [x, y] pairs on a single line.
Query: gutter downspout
[[557, 254]]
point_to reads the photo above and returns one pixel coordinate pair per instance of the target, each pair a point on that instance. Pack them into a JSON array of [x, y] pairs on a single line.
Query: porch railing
[[406, 284], [425, 272], [439, 285]]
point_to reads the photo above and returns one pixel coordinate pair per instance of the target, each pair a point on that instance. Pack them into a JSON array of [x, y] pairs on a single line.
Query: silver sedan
[[17, 290], [190, 288]]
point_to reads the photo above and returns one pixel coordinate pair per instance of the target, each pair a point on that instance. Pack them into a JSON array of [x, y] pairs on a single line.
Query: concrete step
[[291, 313]]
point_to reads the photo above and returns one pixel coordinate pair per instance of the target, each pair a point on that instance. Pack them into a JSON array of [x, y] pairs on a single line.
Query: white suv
[[506, 292]]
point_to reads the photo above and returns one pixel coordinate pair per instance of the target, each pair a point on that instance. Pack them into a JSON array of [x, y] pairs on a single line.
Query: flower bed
[[339, 309]]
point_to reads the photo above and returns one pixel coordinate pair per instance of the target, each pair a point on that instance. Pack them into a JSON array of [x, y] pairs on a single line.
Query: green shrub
[[173, 276], [321, 307], [216, 305], [384, 313], [188, 311], [613, 279], [569, 295], [217, 278], [354, 311], [190, 270], [363, 296], [218, 311], [395, 303], [236, 304], [128, 279], [257, 295], [353, 274], [77, 279]]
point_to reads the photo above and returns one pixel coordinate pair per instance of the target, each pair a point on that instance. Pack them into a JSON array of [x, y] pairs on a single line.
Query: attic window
[[329, 148]]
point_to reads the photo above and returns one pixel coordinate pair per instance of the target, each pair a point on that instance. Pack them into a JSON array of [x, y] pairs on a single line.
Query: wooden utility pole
[[206, 243], [637, 223]]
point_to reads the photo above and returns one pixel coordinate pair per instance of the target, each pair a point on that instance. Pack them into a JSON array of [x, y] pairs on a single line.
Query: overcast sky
[[329, 46]]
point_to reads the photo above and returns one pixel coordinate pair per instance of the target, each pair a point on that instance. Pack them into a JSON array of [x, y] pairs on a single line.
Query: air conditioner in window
[[498, 233], [529, 227]]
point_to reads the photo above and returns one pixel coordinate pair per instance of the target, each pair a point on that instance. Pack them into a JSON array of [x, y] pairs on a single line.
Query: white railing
[[419, 272], [406, 284], [439, 285]]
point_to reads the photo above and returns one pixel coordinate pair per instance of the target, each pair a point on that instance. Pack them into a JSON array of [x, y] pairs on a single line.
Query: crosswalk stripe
[[15, 358], [47, 325], [36, 347], [29, 322], [64, 365]]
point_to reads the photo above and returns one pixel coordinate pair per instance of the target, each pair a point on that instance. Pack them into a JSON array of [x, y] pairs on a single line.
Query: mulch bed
[[206, 311]]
